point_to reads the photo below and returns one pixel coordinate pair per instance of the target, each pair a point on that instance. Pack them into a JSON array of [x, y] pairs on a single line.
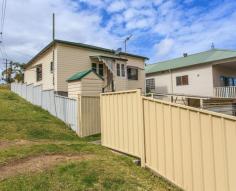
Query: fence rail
[[61, 107], [193, 148], [225, 92]]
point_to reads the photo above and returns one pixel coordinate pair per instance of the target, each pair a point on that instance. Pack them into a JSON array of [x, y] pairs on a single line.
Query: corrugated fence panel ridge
[[194, 149], [122, 121], [61, 107], [198, 149], [89, 115]]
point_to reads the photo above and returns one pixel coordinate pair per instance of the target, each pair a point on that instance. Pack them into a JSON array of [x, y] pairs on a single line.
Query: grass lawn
[[39, 152]]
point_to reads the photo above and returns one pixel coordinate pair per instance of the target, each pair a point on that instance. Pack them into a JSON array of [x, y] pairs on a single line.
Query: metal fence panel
[[193, 148], [121, 125], [24, 90], [37, 95], [90, 119], [61, 107], [29, 96]]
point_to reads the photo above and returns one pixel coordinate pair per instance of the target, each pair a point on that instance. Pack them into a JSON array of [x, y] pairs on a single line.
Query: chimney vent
[[185, 54]]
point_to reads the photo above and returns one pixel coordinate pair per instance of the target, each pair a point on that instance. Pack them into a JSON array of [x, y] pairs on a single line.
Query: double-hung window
[[120, 70]]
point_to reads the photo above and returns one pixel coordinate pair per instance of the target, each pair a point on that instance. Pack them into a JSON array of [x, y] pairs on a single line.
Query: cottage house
[[60, 60], [210, 73]]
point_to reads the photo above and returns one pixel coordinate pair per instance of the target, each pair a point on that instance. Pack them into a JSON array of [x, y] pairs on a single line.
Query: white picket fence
[[61, 107]]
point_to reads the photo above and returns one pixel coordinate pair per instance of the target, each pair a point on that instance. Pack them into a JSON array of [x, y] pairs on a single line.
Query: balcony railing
[[225, 92]]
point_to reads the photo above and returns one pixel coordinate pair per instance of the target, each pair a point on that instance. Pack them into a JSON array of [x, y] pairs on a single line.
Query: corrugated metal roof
[[194, 59], [82, 74]]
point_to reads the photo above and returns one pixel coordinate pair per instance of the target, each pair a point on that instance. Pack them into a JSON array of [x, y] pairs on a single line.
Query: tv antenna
[[126, 40]]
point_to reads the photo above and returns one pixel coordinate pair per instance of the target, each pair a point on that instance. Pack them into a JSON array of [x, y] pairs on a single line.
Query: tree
[[13, 73]]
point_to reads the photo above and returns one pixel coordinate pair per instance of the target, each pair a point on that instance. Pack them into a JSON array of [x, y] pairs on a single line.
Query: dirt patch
[[6, 144], [38, 163]]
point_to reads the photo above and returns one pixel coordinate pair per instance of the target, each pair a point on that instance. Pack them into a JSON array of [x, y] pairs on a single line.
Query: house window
[[118, 69], [150, 84], [132, 73], [182, 80], [51, 67], [100, 69], [39, 73], [94, 67], [123, 70]]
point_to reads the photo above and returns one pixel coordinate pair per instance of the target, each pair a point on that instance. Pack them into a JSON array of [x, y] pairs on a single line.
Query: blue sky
[[161, 29]]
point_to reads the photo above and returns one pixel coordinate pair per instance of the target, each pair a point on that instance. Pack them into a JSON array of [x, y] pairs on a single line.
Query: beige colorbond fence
[[89, 115], [121, 123], [195, 149]]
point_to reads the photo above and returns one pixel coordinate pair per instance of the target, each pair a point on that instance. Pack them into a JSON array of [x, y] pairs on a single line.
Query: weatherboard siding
[[74, 59], [90, 85], [47, 76], [71, 59]]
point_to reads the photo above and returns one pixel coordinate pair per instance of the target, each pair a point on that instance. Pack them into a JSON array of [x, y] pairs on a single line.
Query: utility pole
[[53, 26], [6, 72], [10, 72]]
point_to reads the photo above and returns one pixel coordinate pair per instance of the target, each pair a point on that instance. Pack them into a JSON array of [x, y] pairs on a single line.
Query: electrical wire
[[4, 6]]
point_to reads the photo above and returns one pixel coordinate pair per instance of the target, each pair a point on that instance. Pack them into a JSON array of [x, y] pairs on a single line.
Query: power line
[[4, 6]]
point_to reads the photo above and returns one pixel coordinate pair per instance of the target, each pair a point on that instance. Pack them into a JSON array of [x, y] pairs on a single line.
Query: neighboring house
[[196, 74], [60, 60]]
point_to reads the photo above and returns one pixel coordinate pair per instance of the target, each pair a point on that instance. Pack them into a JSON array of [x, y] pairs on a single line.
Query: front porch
[[224, 80]]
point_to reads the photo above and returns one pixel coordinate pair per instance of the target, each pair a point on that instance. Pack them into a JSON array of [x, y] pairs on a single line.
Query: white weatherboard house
[[210, 73], [60, 60]]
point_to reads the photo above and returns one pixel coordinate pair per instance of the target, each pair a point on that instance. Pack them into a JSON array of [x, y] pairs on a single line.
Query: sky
[[161, 29]]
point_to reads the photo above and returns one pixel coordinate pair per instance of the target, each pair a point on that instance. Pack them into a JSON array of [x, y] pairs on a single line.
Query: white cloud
[[161, 29], [164, 47], [116, 6], [28, 26]]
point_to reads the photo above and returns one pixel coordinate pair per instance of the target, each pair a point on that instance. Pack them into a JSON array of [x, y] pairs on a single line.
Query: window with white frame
[[120, 70]]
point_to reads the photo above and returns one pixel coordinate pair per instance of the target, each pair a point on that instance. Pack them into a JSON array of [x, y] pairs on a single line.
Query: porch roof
[[110, 57], [82, 74], [190, 60]]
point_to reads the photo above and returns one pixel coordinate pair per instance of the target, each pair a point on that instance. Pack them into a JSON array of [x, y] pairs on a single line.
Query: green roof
[[82, 74], [190, 60]]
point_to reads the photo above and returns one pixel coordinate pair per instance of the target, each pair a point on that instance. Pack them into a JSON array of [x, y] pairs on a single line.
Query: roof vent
[[185, 54]]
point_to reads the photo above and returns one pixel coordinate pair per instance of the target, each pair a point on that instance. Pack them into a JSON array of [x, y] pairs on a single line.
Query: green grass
[[19, 120]]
